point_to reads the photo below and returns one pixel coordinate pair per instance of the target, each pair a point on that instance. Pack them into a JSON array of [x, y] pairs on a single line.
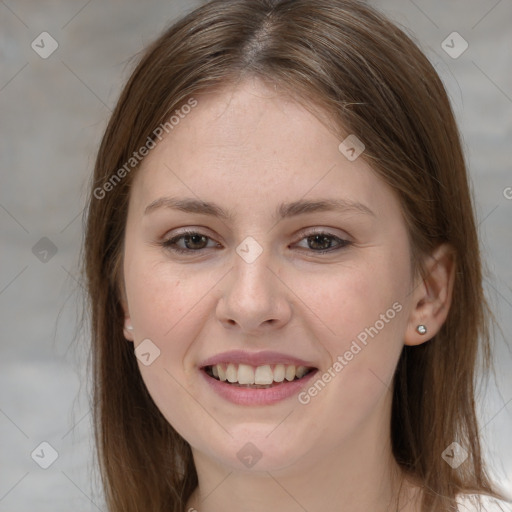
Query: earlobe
[[128, 329], [432, 296]]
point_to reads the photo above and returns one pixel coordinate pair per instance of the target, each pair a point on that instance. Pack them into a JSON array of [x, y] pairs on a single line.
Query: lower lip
[[255, 396]]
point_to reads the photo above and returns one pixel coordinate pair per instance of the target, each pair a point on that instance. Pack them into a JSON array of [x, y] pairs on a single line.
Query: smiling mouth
[[259, 377]]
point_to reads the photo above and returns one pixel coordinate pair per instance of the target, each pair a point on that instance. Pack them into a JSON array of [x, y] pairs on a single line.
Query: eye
[[322, 242], [193, 241], [319, 242]]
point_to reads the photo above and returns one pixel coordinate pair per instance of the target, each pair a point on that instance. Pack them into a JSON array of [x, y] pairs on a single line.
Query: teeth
[[264, 375], [279, 372], [301, 371], [290, 373], [231, 373], [245, 374]]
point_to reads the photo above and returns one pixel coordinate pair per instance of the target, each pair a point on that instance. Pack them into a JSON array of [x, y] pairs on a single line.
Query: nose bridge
[[252, 273], [253, 297]]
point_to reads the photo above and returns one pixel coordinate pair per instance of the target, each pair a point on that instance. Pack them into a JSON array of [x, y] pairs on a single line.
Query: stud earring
[[129, 327], [421, 329]]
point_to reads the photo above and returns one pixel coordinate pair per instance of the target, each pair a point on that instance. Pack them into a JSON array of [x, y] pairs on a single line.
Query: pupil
[[321, 237], [193, 237]]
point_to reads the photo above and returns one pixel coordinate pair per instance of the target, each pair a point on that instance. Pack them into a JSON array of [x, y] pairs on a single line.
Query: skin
[[248, 148]]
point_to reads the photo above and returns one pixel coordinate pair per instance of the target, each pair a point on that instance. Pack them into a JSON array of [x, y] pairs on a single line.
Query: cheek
[[348, 300], [164, 307], [363, 312], [159, 297], [158, 301]]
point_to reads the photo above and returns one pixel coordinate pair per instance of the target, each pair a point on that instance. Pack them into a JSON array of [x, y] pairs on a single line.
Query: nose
[[254, 298]]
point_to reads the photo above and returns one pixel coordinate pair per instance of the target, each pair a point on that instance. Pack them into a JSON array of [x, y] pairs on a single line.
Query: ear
[[432, 295], [127, 327]]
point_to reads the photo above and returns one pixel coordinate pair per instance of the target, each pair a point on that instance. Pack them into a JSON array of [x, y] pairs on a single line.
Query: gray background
[[53, 113]]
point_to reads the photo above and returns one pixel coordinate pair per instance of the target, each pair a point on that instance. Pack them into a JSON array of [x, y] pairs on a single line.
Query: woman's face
[[254, 298]]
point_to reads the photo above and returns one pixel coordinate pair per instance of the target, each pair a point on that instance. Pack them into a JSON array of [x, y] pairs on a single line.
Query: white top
[[467, 504]]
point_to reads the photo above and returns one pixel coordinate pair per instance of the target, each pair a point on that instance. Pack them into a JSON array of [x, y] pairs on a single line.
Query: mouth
[[257, 377]]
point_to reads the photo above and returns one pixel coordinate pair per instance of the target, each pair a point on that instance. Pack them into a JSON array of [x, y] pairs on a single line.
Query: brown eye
[[192, 241], [321, 242]]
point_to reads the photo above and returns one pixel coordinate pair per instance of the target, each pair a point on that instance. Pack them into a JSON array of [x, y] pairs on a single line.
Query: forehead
[[252, 143]]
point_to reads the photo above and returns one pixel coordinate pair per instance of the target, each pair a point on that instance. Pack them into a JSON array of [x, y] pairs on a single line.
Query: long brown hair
[[373, 81]]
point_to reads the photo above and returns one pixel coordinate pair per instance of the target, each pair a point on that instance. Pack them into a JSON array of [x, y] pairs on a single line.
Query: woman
[[283, 271]]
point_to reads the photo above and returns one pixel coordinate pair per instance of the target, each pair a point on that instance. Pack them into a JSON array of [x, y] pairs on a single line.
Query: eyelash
[[171, 242]]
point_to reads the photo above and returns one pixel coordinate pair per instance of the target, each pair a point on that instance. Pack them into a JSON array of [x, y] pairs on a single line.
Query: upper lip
[[255, 359]]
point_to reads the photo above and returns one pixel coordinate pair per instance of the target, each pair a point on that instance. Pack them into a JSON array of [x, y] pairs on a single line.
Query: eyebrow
[[283, 211]]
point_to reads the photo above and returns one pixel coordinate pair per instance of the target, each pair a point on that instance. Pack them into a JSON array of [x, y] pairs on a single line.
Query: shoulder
[[470, 503]]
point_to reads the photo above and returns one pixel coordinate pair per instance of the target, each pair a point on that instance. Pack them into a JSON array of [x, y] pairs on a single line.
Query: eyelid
[[202, 230], [170, 243], [166, 241], [188, 230], [305, 232], [343, 241]]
